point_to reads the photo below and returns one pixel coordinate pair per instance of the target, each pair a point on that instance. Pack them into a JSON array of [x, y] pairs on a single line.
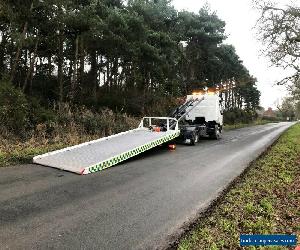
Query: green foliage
[[105, 121], [39, 114], [127, 57], [273, 119], [288, 108], [239, 116], [13, 108]]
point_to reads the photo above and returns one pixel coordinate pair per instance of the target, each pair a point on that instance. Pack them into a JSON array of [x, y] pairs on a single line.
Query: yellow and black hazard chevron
[[124, 156]]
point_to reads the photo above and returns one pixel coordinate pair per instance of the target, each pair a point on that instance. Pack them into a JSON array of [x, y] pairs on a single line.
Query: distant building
[[269, 113]]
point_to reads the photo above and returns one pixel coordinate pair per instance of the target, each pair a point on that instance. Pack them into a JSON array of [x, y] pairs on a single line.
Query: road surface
[[143, 203]]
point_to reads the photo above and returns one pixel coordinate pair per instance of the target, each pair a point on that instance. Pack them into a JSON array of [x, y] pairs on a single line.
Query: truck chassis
[[191, 134]]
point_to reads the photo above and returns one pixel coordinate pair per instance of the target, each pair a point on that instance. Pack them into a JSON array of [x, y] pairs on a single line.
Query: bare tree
[[279, 31]]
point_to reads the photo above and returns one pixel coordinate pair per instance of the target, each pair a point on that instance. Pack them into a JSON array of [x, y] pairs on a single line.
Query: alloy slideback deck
[[100, 154]]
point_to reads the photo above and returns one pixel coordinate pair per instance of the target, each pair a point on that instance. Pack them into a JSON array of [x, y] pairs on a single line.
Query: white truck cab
[[209, 109], [205, 118]]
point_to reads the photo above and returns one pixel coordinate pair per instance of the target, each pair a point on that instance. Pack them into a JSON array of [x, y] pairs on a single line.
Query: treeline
[[136, 56]]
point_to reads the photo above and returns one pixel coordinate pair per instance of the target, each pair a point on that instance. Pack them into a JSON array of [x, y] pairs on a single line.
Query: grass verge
[[265, 200], [14, 152], [243, 125]]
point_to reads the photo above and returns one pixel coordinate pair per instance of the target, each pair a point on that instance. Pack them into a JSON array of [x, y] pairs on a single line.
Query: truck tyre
[[195, 139], [192, 143], [216, 135]]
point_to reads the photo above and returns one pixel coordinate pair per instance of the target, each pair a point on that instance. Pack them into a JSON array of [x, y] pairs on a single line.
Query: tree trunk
[[81, 69], [49, 66], [2, 54], [116, 72], [31, 76], [31, 67], [17, 57], [107, 75], [226, 96], [75, 73], [94, 74], [60, 62]]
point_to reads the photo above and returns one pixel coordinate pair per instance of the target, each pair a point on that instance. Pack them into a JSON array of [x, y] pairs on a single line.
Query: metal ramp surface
[[100, 154]]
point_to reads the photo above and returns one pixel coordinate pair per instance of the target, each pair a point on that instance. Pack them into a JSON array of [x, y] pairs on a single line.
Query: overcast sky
[[240, 20]]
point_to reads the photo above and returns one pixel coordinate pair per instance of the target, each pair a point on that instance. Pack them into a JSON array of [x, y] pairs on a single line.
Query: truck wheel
[[194, 140], [216, 135]]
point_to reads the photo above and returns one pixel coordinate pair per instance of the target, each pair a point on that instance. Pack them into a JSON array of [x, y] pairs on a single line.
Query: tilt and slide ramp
[[94, 156], [97, 155], [181, 112]]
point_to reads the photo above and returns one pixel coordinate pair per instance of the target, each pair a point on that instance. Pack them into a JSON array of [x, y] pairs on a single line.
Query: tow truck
[[199, 116], [204, 119]]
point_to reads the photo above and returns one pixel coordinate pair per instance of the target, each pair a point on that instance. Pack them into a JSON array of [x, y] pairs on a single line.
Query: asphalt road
[[143, 203]]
